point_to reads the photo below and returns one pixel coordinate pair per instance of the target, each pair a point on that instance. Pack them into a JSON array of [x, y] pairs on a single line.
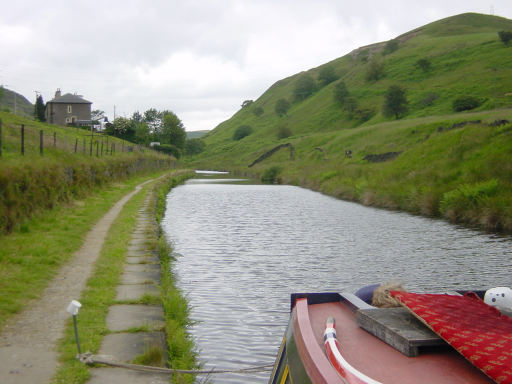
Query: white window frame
[[69, 109]]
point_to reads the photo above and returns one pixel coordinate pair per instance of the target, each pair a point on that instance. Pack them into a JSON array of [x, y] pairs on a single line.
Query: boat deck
[[385, 364]]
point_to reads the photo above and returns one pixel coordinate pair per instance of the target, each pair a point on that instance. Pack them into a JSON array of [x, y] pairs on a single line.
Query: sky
[[198, 58]]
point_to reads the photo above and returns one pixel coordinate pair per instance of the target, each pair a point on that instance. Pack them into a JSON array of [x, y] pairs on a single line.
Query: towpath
[[28, 342]]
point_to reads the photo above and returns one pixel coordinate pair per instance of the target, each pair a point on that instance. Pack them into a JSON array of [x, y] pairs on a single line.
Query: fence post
[[101, 147], [41, 142], [22, 139], [84, 146], [90, 148], [76, 144], [54, 139], [97, 148], [0, 137]]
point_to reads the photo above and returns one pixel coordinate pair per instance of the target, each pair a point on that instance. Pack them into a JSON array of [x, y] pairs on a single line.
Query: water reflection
[[245, 248]]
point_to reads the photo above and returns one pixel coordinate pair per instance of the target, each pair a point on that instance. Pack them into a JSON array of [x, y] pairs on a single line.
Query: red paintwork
[[370, 355], [312, 355]]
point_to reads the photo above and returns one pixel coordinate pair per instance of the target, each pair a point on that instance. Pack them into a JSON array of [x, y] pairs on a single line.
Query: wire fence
[[22, 140]]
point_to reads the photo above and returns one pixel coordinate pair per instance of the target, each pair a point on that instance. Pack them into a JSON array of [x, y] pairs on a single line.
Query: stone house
[[68, 109]]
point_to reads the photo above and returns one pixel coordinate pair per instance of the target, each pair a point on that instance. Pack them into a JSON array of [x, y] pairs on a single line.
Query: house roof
[[68, 98]]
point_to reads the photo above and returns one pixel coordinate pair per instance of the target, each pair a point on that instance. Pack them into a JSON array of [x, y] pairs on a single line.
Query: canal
[[242, 248]]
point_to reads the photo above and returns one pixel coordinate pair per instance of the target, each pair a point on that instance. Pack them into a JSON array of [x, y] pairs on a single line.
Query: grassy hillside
[[456, 165], [11, 101]]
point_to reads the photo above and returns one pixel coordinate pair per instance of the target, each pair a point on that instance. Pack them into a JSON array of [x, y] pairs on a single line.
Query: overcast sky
[[198, 58]]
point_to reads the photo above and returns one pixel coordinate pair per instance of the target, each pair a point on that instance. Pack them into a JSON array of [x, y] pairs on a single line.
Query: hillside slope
[[432, 161], [14, 102]]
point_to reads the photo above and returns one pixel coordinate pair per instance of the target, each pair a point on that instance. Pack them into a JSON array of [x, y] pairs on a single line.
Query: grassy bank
[[32, 255], [33, 183], [101, 291]]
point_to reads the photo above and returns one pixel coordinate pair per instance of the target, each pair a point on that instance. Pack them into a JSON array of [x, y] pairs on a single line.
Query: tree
[[424, 64], [304, 87], [194, 146], [122, 128], [395, 102], [340, 92], [350, 104], [247, 103], [241, 132], [505, 36], [142, 134], [153, 119], [465, 103], [283, 132], [258, 111], [391, 46], [375, 70], [173, 131], [282, 106], [137, 117], [39, 109], [327, 75]]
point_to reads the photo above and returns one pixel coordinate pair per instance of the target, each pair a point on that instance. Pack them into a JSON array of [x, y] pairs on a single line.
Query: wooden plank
[[398, 328]]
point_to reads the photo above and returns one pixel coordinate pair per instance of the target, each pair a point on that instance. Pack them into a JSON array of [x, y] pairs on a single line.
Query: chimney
[[57, 93]]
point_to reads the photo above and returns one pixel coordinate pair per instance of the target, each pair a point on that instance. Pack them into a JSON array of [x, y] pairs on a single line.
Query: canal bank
[[40, 343]]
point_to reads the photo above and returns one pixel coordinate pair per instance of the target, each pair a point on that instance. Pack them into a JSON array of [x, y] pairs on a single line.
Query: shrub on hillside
[[282, 106], [270, 175], [424, 64], [505, 36], [241, 132], [375, 70], [283, 132], [391, 46], [363, 114], [304, 87], [327, 75], [194, 146], [465, 103], [168, 149], [340, 92], [395, 102], [350, 104], [258, 111]]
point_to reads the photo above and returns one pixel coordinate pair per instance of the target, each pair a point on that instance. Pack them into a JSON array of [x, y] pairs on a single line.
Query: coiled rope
[[88, 358]]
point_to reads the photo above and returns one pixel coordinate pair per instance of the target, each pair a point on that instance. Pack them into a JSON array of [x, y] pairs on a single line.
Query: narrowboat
[[430, 338]]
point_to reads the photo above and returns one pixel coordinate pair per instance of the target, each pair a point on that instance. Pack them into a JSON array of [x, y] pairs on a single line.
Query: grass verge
[[32, 255], [100, 294]]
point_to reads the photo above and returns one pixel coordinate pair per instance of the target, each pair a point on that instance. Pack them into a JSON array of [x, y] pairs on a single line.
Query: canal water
[[241, 250]]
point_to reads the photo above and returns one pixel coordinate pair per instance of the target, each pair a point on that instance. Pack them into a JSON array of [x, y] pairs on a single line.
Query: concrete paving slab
[[136, 291], [124, 376], [123, 317], [142, 259], [126, 347], [141, 277], [142, 267]]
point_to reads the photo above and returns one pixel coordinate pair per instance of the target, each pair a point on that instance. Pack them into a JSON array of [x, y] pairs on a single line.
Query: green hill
[[432, 161], [16, 103]]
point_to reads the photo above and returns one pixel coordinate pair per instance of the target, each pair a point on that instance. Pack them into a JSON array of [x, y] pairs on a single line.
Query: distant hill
[[14, 102], [196, 134], [432, 160]]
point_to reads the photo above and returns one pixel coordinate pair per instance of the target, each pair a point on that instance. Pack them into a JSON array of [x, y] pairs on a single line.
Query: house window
[[68, 120], [69, 108]]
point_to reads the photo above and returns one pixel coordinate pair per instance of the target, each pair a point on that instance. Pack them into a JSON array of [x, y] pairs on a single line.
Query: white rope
[[88, 358]]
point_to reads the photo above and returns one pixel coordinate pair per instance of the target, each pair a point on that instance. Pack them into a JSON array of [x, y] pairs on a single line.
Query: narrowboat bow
[[432, 338]]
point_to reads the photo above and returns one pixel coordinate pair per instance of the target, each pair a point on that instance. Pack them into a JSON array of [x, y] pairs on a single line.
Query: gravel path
[[28, 341]]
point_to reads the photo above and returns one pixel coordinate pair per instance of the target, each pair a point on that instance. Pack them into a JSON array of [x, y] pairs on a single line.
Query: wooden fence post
[[23, 139], [84, 146], [101, 147], [90, 148], [76, 144], [54, 139], [41, 142], [97, 148]]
